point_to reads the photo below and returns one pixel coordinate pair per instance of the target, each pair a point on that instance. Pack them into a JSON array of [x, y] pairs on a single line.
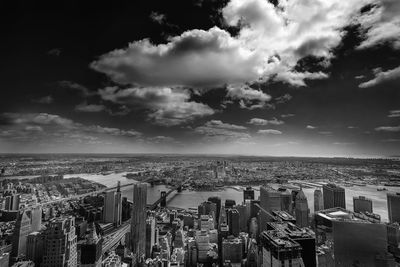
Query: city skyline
[[202, 77]]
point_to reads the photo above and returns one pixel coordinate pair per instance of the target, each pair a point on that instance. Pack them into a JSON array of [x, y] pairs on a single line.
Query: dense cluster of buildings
[[277, 229]]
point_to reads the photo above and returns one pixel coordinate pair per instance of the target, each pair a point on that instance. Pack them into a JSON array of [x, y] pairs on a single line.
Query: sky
[[252, 77]]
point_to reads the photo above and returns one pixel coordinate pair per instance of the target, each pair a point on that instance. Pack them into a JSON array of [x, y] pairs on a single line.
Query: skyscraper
[[217, 202], [286, 201], [270, 199], [150, 235], [34, 247], [393, 202], [21, 231], [318, 200], [118, 206], [334, 196], [232, 250], [112, 211], [138, 223], [280, 250], [91, 249], [357, 242], [362, 204], [301, 210], [36, 218], [234, 222], [248, 193], [60, 243]]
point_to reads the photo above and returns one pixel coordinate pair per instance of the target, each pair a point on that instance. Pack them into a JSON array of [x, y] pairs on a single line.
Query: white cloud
[[46, 124], [394, 114], [248, 97], [219, 131], [269, 131], [388, 129], [197, 58], [381, 24], [221, 125], [157, 17], [270, 42], [168, 106], [258, 121], [381, 76]]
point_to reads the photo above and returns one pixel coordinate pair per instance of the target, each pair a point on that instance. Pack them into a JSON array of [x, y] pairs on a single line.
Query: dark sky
[[287, 78]]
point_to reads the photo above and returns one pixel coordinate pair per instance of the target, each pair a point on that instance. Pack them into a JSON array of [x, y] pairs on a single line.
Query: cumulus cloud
[[381, 24], [168, 106], [85, 107], [381, 77], [221, 125], [270, 42], [197, 58], [53, 125], [248, 97], [269, 131], [157, 17], [258, 121], [388, 129], [218, 130]]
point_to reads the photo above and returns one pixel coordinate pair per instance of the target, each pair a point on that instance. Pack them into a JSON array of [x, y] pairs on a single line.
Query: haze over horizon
[[244, 77]]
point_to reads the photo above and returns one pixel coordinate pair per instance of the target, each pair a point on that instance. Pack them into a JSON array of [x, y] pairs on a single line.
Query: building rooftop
[[339, 214]]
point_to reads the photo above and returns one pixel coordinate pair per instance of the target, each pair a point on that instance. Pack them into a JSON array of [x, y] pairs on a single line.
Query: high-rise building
[[217, 201], [223, 219], [21, 230], [118, 206], [358, 243], [150, 235], [318, 200], [305, 237], [230, 203], [112, 211], [334, 196], [35, 247], [232, 250], [393, 202], [302, 210], [91, 249], [208, 208], [286, 201], [138, 223], [362, 204], [270, 199], [244, 212], [248, 193], [60, 248], [294, 194], [203, 245], [280, 250], [234, 222], [36, 218]]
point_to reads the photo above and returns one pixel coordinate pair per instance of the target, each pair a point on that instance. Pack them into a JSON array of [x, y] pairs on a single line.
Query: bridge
[[164, 195]]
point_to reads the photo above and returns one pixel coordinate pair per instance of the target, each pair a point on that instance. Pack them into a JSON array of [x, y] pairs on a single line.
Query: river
[[189, 199]]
